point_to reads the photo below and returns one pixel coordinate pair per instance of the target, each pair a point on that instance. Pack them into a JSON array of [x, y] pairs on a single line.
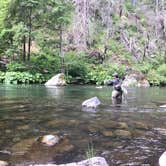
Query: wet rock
[[162, 159], [3, 163], [91, 103], [122, 133], [161, 131], [107, 133], [7, 131], [22, 147], [93, 129], [95, 161], [23, 127], [50, 140], [115, 125], [57, 80], [139, 125], [163, 106]]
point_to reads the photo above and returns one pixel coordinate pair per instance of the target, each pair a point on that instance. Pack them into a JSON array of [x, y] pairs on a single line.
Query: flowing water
[[132, 133]]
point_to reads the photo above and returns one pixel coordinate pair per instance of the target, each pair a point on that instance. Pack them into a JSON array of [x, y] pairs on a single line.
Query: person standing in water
[[117, 89]]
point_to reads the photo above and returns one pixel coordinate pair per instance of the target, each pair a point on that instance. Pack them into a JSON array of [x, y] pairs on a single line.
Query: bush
[[46, 62], [2, 76], [143, 67], [162, 70], [16, 66], [99, 74], [23, 77], [75, 66]]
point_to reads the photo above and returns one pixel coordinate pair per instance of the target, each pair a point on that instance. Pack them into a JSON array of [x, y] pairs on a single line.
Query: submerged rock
[[23, 146], [122, 133], [91, 103], [162, 159], [3, 163], [57, 80], [95, 161]]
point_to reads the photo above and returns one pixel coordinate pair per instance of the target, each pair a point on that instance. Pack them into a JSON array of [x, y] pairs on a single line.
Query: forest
[[88, 40]]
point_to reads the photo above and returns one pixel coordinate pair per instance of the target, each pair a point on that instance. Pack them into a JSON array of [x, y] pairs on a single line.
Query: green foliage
[[2, 76], [75, 66], [129, 7], [23, 77], [162, 70], [16, 66], [99, 73], [154, 78], [46, 62], [144, 67], [91, 152]]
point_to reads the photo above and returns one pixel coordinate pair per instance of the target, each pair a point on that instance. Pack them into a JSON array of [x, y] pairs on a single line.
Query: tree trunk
[[61, 49], [29, 37], [24, 49]]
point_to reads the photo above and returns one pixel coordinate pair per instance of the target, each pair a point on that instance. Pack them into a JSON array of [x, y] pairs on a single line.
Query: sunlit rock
[[3, 163], [122, 133], [107, 133], [57, 80], [162, 159], [136, 80], [50, 140], [140, 125], [163, 106], [91, 103], [95, 161]]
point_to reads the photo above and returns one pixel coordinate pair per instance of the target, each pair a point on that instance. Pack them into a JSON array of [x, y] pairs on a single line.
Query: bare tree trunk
[[81, 24]]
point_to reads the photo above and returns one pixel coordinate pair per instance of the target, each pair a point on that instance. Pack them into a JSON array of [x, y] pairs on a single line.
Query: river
[[132, 133]]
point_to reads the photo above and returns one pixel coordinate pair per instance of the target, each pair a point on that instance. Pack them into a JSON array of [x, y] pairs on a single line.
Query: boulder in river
[[57, 80], [91, 103], [95, 161], [136, 80], [162, 159], [50, 140]]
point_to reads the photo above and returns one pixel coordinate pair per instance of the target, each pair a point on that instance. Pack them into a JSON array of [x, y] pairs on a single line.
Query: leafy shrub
[[75, 66], [2, 76], [155, 78], [143, 67], [23, 77], [99, 74], [162, 70], [16, 66], [46, 62]]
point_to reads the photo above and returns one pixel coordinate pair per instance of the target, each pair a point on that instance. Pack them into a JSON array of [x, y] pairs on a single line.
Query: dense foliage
[[88, 40]]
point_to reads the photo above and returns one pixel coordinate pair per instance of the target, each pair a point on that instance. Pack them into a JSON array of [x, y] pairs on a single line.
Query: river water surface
[[132, 133]]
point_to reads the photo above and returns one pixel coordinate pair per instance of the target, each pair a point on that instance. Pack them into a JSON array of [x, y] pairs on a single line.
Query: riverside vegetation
[[87, 40]]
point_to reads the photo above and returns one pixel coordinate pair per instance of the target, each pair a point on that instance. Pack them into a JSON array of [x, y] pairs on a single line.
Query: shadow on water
[[128, 133]]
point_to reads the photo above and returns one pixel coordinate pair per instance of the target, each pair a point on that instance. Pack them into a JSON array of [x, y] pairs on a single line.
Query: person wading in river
[[117, 89]]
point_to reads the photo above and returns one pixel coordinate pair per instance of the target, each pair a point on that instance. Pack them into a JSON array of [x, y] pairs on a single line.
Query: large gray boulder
[[91, 103], [57, 80], [136, 80], [95, 161]]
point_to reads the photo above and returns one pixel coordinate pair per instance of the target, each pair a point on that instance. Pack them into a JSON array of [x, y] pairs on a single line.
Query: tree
[[57, 16], [22, 11]]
